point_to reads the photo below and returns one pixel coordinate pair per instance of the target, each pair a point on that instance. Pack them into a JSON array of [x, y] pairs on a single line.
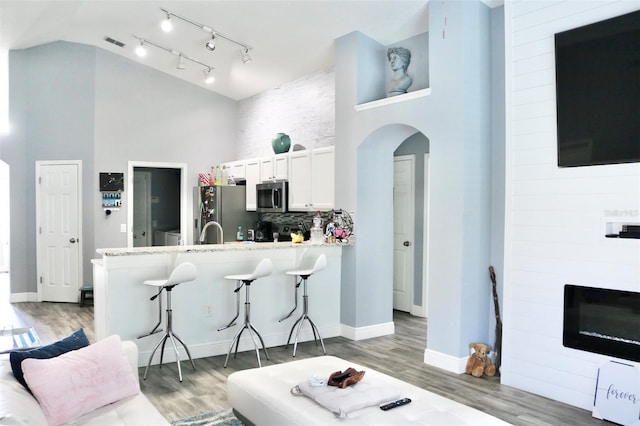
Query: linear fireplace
[[602, 321]]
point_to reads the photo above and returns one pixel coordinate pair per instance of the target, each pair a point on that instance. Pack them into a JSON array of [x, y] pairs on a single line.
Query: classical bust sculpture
[[399, 60]]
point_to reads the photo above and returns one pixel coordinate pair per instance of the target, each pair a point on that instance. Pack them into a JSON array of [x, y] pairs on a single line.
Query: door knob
[[406, 244], [72, 240]]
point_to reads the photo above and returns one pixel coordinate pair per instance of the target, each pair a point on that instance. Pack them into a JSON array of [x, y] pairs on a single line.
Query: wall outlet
[[208, 310], [123, 227]]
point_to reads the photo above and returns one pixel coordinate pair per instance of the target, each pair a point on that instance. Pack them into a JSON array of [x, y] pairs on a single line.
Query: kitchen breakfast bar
[[122, 303]]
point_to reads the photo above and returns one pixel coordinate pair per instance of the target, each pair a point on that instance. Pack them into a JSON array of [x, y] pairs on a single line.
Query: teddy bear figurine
[[479, 362]]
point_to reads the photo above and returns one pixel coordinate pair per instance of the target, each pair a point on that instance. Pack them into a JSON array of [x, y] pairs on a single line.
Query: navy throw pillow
[[75, 341]]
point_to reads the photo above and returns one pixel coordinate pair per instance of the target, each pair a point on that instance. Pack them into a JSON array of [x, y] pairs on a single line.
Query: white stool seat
[[304, 274], [264, 268], [184, 272], [321, 263]]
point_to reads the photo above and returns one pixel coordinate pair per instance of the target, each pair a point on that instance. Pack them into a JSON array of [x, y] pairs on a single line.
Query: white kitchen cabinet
[[281, 167], [312, 179], [274, 168], [252, 175], [236, 170], [323, 172]]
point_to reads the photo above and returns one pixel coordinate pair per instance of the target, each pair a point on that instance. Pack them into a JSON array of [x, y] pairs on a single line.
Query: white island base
[[200, 307]]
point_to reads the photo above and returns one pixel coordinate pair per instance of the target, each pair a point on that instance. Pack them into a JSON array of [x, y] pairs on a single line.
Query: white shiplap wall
[[304, 109], [555, 218]]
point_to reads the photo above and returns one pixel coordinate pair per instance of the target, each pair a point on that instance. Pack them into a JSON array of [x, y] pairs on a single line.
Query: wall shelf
[[394, 99]]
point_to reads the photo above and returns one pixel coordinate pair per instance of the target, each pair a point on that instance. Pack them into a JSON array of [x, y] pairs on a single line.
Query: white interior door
[[4, 217], [403, 231], [142, 209], [58, 230]]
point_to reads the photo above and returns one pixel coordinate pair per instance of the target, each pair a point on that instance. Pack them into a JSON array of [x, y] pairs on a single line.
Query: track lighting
[[141, 50], [245, 56], [211, 44], [208, 76], [215, 35], [167, 25], [208, 72], [180, 65]]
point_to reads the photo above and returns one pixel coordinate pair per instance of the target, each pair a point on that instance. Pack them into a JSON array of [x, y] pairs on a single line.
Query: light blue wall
[[77, 102], [52, 113], [146, 115], [497, 153], [456, 120]]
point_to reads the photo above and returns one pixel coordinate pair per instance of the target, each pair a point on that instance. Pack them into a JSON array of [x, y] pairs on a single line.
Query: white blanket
[[364, 394]]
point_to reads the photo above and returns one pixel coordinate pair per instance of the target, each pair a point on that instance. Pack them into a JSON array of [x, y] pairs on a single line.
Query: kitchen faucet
[[204, 231]]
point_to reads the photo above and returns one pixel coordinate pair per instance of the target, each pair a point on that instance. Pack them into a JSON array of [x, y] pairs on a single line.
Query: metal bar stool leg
[[247, 326], [300, 321], [295, 306], [162, 340], [169, 335], [233, 321]]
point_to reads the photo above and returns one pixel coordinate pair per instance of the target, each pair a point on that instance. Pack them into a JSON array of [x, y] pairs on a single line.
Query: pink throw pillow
[[80, 381]]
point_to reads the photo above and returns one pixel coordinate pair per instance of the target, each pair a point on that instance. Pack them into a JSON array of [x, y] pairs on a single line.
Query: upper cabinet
[[274, 168], [311, 176], [236, 170], [312, 179], [252, 174]]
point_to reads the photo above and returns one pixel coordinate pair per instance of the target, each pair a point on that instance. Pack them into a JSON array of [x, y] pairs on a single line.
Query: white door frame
[[185, 229], [5, 215], [423, 311], [39, 266]]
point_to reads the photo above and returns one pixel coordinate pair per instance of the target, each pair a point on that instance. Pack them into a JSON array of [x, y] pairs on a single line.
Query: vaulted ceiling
[[287, 39]]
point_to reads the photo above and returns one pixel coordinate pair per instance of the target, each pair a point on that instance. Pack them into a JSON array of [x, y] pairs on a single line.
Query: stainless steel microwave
[[272, 197]]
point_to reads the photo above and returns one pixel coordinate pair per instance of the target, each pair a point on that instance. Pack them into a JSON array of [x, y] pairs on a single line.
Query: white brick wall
[[555, 217], [304, 109]]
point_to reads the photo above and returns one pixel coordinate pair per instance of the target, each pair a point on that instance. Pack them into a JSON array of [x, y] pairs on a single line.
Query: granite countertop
[[205, 248]]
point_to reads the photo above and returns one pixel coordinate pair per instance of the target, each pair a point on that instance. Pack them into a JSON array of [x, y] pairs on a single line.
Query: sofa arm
[[131, 351]]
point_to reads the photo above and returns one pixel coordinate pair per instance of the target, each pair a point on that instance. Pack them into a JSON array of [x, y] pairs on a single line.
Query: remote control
[[395, 404]]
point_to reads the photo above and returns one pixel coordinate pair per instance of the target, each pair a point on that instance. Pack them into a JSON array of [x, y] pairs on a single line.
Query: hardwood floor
[[399, 355]]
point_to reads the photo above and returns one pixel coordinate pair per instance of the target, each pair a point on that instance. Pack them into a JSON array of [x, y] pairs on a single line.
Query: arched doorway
[[375, 159]]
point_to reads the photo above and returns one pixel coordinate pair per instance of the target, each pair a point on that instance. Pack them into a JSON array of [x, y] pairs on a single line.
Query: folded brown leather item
[[345, 378]]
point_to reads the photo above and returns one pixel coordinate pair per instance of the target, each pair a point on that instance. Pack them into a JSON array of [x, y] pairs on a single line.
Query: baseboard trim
[[367, 332], [23, 297], [444, 361]]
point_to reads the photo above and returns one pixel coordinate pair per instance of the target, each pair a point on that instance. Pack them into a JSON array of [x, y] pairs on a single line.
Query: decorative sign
[[111, 182], [111, 187], [618, 393], [111, 200]]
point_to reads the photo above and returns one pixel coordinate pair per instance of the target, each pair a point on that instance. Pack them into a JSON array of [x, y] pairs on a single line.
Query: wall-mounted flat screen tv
[[598, 92]]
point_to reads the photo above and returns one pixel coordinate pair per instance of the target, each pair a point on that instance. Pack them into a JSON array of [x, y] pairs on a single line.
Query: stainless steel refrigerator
[[225, 205]]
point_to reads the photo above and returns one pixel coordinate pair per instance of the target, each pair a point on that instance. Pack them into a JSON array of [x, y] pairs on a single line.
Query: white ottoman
[[262, 396]]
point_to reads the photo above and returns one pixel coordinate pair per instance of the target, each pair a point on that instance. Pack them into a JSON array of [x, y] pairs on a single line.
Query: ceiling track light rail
[[211, 44], [208, 68]]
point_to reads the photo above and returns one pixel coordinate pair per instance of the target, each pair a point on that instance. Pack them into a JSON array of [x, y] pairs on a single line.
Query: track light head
[[180, 65], [167, 25], [208, 76], [245, 56], [141, 51], [211, 44]]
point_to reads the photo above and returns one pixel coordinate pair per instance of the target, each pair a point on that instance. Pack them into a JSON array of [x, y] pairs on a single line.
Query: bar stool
[[264, 268], [304, 274], [182, 273]]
